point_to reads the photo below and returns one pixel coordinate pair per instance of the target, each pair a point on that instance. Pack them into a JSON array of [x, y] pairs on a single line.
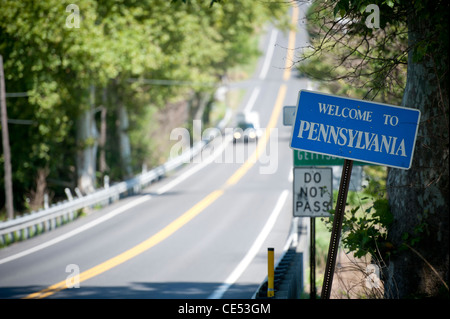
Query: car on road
[[247, 128], [245, 132]]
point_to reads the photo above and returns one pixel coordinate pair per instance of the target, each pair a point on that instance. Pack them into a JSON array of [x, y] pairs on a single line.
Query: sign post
[[312, 258], [312, 197], [353, 130], [336, 230]]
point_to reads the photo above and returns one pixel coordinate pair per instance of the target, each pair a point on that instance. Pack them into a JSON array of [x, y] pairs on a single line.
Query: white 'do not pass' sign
[[313, 191]]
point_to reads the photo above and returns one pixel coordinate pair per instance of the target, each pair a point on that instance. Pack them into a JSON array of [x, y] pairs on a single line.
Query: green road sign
[[302, 158]]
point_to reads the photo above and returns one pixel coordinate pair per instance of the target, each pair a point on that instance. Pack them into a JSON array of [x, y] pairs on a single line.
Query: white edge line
[[252, 99], [74, 232], [254, 249], [268, 58], [196, 168], [119, 210], [264, 70]]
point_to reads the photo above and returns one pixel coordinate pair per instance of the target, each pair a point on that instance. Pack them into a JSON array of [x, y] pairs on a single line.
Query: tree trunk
[[38, 195], [9, 205], [124, 140], [87, 135], [197, 106], [419, 197], [102, 166]]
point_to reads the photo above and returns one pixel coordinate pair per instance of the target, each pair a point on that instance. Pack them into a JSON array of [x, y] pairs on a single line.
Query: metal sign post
[[336, 230], [312, 259]]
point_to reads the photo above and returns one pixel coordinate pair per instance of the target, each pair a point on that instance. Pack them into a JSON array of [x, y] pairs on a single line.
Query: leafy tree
[[40, 58], [369, 62], [92, 65]]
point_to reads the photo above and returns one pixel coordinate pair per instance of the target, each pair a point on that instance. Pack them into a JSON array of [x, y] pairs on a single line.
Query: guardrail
[[43, 220]]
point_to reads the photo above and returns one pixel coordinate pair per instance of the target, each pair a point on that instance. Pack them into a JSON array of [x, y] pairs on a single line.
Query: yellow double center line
[[180, 221], [191, 213]]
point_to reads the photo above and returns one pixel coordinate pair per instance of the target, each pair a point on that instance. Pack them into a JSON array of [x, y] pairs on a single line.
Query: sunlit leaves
[[56, 64]]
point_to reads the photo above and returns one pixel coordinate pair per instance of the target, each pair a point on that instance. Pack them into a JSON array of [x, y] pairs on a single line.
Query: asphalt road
[[202, 232]]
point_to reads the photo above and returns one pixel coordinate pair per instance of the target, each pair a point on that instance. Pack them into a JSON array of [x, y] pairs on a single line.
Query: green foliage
[[190, 41], [350, 59], [367, 220], [367, 232]]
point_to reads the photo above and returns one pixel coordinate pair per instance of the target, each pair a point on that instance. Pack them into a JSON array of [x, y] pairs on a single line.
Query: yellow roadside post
[[270, 271]]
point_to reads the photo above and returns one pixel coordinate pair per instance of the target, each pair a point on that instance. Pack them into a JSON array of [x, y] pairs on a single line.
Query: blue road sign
[[355, 129]]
